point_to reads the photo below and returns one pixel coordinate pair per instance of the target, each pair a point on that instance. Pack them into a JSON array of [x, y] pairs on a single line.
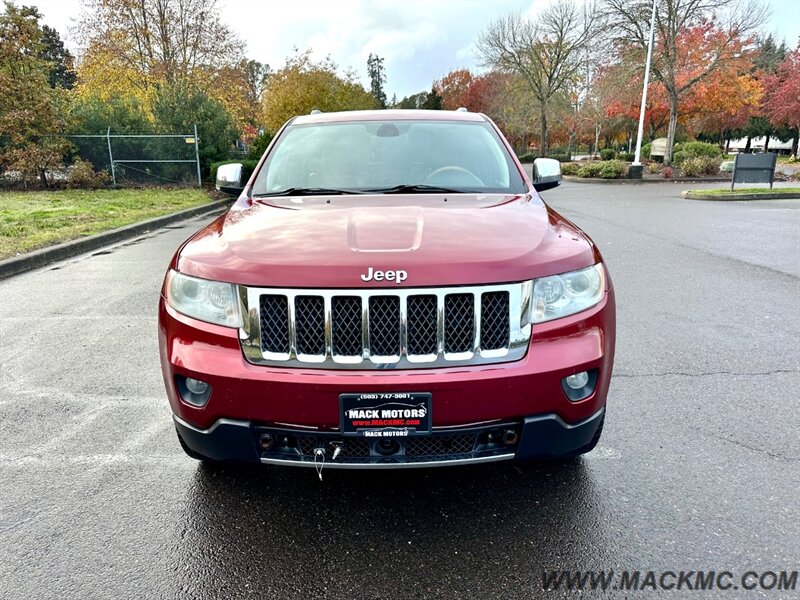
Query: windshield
[[389, 156]]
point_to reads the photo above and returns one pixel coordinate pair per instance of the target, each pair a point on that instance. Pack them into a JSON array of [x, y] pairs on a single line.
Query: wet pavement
[[698, 466]]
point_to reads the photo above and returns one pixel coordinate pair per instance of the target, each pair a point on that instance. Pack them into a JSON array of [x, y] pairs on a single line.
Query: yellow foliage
[[302, 85]]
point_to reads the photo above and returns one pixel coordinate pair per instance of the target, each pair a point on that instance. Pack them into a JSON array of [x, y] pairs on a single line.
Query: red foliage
[[782, 92]]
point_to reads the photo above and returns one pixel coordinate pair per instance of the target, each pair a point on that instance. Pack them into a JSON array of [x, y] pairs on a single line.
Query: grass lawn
[[31, 220], [781, 190]]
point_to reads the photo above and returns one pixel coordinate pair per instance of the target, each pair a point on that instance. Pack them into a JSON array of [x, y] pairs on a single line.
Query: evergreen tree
[[377, 77]]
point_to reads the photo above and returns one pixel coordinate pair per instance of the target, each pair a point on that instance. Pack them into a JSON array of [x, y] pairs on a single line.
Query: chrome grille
[[398, 328]]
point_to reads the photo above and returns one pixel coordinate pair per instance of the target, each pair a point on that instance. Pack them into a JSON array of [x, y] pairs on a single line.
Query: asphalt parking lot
[[698, 467]]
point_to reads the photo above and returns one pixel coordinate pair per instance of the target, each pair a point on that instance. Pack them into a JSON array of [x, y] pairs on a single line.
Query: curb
[[730, 197], [44, 256], [638, 181]]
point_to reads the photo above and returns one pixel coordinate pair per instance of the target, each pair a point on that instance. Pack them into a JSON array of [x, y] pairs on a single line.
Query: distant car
[[388, 291]]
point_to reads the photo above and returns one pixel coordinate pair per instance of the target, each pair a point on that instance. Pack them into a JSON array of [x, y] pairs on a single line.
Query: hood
[[330, 242]]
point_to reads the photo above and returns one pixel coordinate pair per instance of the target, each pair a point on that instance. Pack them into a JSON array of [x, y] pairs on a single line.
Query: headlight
[[566, 294], [205, 300]]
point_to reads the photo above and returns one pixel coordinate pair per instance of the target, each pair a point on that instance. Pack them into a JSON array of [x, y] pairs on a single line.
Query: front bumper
[[536, 437], [462, 396]]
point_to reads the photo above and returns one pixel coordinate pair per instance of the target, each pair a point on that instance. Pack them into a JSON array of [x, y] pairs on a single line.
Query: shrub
[[607, 154], [259, 146], [248, 166], [626, 156], [694, 149], [678, 158], [666, 172], [570, 168], [691, 167], [701, 165], [591, 169], [654, 167], [646, 150], [528, 157], [560, 157], [613, 169], [82, 174]]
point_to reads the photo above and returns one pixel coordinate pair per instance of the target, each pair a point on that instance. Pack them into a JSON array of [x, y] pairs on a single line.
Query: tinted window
[[371, 155]]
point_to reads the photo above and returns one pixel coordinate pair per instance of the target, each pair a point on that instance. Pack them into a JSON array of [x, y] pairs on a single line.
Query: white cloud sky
[[420, 40]]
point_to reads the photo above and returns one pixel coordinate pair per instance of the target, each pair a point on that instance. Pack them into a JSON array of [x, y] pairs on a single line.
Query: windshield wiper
[[308, 191], [417, 188]]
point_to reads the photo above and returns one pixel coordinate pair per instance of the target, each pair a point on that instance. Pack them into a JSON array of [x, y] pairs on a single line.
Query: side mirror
[[229, 179], [546, 174]]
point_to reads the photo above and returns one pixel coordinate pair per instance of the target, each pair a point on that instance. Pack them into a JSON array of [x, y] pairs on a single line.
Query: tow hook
[[319, 457]]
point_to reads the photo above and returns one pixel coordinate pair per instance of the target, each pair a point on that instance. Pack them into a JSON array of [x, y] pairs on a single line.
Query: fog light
[[578, 380], [196, 386]]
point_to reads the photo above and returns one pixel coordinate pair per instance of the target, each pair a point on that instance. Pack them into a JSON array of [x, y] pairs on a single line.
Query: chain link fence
[[169, 159]]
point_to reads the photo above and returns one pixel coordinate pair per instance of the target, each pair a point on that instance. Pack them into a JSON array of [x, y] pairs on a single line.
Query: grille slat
[[384, 325], [459, 323], [310, 324], [347, 325], [421, 325], [373, 329], [275, 324], [494, 320]]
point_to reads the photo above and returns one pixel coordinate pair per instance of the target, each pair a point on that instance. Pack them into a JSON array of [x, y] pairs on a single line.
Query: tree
[[711, 33], [178, 107], [546, 53], [31, 112], [160, 40], [62, 63], [782, 96], [454, 88], [377, 77], [302, 85], [433, 101]]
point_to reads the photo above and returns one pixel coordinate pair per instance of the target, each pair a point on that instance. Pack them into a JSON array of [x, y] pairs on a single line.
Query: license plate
[[386, 414]]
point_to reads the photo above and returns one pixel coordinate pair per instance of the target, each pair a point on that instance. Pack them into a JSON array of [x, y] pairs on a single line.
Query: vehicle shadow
[[471, 530]]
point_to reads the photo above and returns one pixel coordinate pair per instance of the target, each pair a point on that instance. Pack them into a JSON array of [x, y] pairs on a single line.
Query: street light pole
[[636, 167]]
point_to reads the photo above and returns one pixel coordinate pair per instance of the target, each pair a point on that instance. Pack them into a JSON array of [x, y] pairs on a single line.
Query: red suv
[[388, 291]]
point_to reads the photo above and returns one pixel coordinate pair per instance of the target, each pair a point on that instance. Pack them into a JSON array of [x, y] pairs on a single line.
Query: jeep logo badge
[[398, 276]]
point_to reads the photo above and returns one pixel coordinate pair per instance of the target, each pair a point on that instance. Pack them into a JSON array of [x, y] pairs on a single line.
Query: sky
[[420, 40]]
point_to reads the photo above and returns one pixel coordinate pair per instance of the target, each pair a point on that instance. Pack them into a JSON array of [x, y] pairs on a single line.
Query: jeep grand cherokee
[[389, 290]]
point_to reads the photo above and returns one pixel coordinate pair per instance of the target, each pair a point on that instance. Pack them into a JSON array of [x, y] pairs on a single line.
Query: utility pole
[[636, 167]]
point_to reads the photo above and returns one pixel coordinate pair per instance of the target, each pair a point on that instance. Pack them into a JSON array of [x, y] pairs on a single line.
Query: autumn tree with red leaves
[[782, 96]]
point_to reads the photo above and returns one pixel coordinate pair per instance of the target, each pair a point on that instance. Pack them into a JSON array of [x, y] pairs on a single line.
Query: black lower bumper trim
[[542, 436], [548, 436]]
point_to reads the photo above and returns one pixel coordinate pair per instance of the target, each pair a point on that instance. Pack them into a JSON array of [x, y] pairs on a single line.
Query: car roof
[[388, 115]]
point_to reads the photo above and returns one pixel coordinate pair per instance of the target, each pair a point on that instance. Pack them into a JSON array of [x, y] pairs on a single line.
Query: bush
[[591, 169], [678, 158], [691, 167], [613, 169], [570, 168], [701, 165], [248, 166], [646, 150], [607, 154], [528, 157], [654, 167], [259, 146], [83, 175], [563, 158], [667, 172], [694, 149], [626, 156]]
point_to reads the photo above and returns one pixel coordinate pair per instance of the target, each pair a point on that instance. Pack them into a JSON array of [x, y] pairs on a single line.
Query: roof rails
[[461, 109]]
